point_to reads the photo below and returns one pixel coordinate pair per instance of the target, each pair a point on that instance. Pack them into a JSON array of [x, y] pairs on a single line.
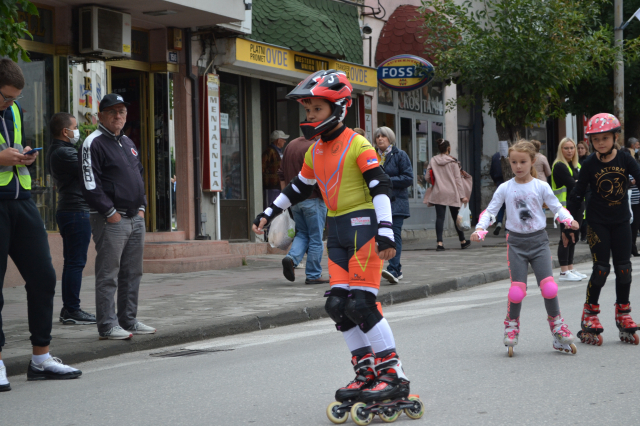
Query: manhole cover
[[187, 352]]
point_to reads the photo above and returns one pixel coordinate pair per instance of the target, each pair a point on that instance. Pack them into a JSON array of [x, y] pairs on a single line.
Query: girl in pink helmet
[[608, 231]]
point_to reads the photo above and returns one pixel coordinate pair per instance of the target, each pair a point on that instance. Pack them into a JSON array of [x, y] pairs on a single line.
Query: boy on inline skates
[[355, 189], [608, 229]]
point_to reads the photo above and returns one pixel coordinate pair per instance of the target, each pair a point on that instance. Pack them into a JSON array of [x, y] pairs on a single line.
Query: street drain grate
[[187, 352]]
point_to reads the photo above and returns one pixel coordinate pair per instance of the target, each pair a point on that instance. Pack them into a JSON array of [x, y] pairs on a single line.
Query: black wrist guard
[[385, 242], [385, 225], [274, 213]]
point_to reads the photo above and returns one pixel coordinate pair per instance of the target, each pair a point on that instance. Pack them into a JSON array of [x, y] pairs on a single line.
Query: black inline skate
[[364, 366], [389, 395]]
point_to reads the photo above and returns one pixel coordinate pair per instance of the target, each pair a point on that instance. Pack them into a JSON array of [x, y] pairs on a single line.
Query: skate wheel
[[385, 417], [574, 350], [636, 339], [417, 410], [336, 415], [510, 351], [600, 340], [360, 415]]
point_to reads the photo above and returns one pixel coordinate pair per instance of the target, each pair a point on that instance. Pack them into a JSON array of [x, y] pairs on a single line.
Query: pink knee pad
[[517, 292], [548, 288]]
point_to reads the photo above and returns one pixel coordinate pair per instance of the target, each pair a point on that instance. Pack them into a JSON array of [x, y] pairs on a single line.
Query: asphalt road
[[451, 347]]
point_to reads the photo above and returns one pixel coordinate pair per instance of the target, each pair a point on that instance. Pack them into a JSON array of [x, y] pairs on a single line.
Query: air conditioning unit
[[242, 27], [105, 32]]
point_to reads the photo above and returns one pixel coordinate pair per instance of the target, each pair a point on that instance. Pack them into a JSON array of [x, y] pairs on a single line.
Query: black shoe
[[440, 248], [3, 376], [51, 369], [634, 250], [288, 270], [466, 244], [316, 281], [79, 317], [498, 228]]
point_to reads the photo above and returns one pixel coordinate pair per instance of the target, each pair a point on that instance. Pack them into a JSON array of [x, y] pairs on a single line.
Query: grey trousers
[[119, 249]]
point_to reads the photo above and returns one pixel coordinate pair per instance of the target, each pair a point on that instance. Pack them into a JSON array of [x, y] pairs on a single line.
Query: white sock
[[381, 337], [1, 363], [355, 338], [39, 359]]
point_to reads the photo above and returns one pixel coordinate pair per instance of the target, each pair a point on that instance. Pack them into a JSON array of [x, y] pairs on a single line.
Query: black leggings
[[605, 240], [565, 254], [635, 225], [441, 211]]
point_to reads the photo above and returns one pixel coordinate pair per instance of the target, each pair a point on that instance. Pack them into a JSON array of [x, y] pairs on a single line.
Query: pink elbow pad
[[517, 292], [548, 288]]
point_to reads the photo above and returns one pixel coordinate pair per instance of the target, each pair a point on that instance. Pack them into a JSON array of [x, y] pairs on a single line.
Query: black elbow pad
[[294, 196], [384, 182]]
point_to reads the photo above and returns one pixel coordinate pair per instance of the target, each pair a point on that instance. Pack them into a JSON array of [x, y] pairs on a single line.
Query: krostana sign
[[405, 72]]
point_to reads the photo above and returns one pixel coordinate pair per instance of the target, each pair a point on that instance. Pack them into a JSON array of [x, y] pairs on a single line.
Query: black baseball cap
[[110, 100]]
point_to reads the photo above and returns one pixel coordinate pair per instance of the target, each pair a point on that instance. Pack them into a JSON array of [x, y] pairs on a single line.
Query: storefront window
[[385, 95], [233, 187], [422, 144], [433, 99], [436, 133], [409, 101], [37, 108], [539, 133]]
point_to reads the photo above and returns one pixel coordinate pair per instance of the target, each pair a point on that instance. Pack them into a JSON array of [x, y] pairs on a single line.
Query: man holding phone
[[23, 234], [111, 173]]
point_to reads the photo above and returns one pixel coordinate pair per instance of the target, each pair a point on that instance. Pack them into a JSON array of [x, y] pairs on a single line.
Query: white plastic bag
[[281, 231], [464, 218]]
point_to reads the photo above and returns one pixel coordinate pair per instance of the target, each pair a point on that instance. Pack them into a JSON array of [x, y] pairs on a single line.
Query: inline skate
[[626, 326], [562, 337], [364, 366], [591, 327], [511, 333], [389, 394]]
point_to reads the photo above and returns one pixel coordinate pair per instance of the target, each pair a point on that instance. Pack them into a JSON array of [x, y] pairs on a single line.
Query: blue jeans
[[395, 268], [75, 230], [501, 213], [310, 216]]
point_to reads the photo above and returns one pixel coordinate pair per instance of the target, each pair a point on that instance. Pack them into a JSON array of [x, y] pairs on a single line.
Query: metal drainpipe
[[196, 142]]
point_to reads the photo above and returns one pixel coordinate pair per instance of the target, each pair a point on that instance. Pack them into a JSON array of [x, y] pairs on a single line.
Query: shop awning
[[324, 27], [275, 63], [402, 34], [176, 13]]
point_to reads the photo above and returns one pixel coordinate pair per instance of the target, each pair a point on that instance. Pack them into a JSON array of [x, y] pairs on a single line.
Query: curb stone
[[272, 319]]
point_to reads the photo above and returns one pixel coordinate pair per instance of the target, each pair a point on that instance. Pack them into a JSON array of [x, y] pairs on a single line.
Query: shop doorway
[[148, 124]]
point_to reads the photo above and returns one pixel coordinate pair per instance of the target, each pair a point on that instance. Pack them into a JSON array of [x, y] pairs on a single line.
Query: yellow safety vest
[[6, 172], [560, 193]]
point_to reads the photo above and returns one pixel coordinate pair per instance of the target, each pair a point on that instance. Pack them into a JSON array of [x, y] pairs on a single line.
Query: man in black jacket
[[72, 215], [112, 185]]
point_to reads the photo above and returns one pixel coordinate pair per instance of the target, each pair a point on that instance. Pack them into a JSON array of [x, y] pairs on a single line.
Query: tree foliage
[[11, 30], [519, 56]]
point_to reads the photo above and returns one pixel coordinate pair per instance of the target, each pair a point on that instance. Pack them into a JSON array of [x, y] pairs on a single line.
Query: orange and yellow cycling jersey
[[338, 166]]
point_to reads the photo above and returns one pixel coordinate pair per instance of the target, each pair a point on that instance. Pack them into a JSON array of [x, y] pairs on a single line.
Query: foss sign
[[404, 73]]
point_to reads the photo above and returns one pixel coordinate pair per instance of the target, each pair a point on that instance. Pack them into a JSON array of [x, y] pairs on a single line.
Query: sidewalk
[[202, 305]]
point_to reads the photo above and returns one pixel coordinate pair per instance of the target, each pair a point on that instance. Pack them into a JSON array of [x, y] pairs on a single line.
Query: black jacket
[[63, 163], [8, 192], [112, 174]]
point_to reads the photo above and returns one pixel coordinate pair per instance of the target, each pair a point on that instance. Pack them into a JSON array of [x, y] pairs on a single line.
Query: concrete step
[[191, 264], [185, 249]]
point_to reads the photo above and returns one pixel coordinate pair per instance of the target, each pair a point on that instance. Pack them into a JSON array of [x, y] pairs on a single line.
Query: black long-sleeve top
[[562, 177], [609, 183]]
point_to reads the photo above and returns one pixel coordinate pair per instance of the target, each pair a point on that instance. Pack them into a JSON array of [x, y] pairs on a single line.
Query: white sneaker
[[401, 276], [389, 277], [140, 328], [568, 276], [51, 369], [116, 333], [4, 383], [580, 274]]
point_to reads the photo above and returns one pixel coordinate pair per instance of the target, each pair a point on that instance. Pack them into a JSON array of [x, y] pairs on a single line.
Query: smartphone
[[33, 151]]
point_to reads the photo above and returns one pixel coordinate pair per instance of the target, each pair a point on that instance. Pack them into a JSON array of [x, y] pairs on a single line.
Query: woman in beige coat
[[447, 190]]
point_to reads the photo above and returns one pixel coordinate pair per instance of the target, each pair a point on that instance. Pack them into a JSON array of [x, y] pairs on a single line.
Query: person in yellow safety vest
[[564, 175], [24, 237]]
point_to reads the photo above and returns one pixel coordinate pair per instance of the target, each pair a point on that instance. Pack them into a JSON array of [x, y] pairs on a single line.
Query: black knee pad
[[362, 310], [335, 306], [623, 273], [600, 274]]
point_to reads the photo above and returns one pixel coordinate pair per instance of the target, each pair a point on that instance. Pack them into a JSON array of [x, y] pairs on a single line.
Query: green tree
[[519, 56], [592, 95], [11, 30]]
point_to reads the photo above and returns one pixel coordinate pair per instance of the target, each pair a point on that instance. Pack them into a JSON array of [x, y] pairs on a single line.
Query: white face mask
[[76, 136]]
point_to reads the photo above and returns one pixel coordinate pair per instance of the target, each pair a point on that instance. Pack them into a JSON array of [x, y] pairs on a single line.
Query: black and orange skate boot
[[364, 366], [626, 326], [591, 327]]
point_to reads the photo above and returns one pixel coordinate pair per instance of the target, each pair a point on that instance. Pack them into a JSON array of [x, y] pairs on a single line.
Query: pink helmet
[[603, 123]]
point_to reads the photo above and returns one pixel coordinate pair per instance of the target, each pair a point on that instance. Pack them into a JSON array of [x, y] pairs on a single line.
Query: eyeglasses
[[113, 112], [7, 100]]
